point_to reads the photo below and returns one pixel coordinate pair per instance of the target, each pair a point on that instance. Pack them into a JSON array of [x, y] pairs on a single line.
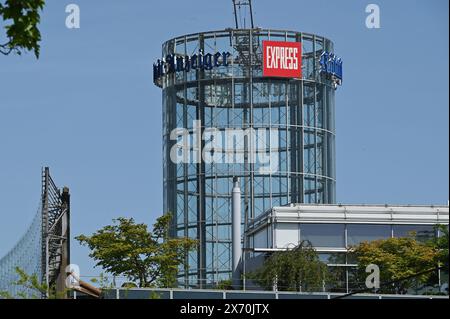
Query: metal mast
[[240, 13], [247, 44]]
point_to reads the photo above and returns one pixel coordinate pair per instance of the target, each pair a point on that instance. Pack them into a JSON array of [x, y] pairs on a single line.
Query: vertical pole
[[45, 241], [251, 13], [200, 116], [235, 14], [47, 279], [65, 241], [236, 232]]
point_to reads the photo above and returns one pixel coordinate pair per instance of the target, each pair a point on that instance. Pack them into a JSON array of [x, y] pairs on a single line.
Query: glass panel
[[308, 58], [421, 233], [261, 239], [332, 258], [309, 152], [308, 105], [351, 258], [359, 233], [323, 235]]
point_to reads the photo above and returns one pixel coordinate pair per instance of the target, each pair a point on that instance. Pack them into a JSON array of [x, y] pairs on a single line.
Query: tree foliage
[[21, 24], [441, 245], [129, 249], [225, 284], [292, 270], [397, 258]]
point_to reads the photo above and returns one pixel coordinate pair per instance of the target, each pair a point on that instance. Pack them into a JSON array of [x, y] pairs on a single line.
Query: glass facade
[[333, 242], [343, 265], [236, 95]]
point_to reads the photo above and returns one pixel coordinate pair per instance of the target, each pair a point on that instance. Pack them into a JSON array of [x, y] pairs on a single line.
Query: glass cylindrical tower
[[215, 81]]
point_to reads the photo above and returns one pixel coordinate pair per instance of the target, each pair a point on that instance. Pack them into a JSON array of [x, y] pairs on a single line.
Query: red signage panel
[[282, 59]]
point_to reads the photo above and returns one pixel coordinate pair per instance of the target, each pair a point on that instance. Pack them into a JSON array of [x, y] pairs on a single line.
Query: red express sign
[[282, 59]]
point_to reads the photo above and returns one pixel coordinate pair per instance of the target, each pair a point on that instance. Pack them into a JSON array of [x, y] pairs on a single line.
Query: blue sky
[[89, 110]]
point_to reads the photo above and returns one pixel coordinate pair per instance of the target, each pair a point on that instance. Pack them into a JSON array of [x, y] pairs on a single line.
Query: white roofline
[[356, 214]]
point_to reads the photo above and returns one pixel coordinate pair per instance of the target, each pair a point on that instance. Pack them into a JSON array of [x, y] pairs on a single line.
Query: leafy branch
[[22, 33]]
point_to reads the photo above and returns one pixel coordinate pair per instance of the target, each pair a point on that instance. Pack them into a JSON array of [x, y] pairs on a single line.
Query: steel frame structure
[[238, 96], [55, 248]]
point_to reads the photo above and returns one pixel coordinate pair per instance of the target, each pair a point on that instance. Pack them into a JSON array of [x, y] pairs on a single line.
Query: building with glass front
[[214, 83], [333, 229]]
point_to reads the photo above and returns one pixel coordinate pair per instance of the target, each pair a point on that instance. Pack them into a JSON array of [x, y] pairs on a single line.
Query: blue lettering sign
[[194, 61], [178, 63], [331, 65], [207, 61], [217, 56]]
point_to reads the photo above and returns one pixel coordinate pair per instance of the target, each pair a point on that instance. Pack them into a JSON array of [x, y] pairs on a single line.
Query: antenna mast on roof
[[240, 13]]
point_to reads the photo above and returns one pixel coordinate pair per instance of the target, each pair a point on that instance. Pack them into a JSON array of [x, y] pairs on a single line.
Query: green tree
[[225, 284], [22, 32], [129, 249], [441, 245], [292, 270], [397, 258]]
